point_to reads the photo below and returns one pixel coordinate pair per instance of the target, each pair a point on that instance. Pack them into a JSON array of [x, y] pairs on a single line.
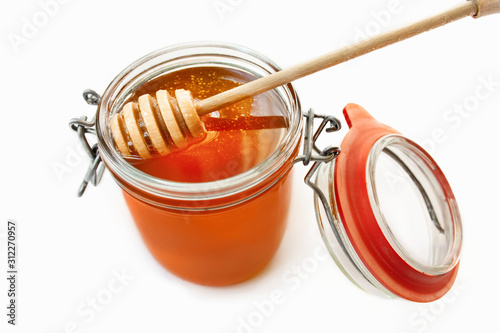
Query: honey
[[239, 136]]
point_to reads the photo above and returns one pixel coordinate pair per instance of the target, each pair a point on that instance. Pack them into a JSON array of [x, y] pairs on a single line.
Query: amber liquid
[[239, 136]]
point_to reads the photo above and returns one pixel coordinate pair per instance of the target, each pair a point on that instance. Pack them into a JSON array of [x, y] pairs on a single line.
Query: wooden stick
[[475, 8]]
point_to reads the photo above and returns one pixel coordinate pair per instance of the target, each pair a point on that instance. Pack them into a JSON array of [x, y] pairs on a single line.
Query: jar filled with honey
[[213, 212]]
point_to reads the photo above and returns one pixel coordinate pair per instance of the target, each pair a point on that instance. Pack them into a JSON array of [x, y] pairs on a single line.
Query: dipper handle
[[474, 8]]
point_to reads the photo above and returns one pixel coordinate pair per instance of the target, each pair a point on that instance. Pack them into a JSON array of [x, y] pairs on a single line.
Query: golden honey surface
[[238, 137]]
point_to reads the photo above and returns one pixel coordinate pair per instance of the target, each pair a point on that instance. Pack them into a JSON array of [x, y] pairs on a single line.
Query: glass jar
[[213, 233]]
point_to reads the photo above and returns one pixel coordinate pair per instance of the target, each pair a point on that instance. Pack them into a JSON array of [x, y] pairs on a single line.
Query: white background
[[70, 248]]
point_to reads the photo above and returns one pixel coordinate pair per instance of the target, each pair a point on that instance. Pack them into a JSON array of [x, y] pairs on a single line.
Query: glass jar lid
[[395, 225]]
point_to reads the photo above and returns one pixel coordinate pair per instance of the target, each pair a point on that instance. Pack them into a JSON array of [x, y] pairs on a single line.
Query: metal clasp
[[322, 156], [82, 127]]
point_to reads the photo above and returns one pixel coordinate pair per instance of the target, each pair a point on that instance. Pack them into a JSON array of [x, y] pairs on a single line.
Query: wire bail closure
[[82, 126], [322, 156]]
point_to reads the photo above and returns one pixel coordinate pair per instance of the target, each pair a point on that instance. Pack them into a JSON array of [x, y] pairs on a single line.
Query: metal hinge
[[82, 128]]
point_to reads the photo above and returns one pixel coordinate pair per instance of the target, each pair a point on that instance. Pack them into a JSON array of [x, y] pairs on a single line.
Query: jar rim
[[166, 189]]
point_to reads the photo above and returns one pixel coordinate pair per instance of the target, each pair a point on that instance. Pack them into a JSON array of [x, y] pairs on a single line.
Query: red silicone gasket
[[360, 223]]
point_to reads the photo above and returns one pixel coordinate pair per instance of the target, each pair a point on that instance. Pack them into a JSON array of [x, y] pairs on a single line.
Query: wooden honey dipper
[[172, 122]]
